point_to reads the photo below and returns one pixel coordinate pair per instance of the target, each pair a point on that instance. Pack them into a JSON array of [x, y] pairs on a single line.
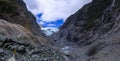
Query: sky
[[53, 13]]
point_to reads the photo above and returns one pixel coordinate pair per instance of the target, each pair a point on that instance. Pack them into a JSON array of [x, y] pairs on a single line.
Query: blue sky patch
[[55, 24], [39, 15]]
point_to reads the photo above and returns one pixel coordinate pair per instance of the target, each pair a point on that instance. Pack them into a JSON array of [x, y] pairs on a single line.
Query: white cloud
[[55, 9], [31, 4], [42, 23], [50, 28]]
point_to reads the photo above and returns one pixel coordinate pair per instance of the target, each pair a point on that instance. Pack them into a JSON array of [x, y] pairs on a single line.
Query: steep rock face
[[92, 21], [15, 11], [95, 29], [28, 47]]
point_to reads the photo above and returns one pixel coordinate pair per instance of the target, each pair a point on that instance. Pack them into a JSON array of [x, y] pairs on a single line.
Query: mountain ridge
[[91, 32]]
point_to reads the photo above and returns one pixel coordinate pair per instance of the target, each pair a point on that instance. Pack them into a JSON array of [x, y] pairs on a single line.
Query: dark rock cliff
[[95, 29], [15, 11], [90, 22]]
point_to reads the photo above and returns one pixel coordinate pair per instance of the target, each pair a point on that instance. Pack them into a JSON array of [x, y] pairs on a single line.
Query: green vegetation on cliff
[[7, 6]]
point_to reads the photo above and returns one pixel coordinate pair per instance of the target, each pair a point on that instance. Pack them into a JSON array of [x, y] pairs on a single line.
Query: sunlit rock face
[[28, 46], [95, 29]]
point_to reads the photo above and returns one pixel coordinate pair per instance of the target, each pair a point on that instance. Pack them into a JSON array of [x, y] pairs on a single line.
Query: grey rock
[[26, 44], [92, 31]]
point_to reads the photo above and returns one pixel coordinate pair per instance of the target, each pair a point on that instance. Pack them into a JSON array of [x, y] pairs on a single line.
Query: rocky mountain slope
[[92, 33], [19, 31], [27, 45], [15, 11]]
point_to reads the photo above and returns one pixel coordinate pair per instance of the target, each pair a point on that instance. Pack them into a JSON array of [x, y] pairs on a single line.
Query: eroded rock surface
[[28, 46], [92, 33]]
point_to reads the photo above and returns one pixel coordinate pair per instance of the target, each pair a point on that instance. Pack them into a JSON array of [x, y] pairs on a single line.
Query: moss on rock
[[7, 6]]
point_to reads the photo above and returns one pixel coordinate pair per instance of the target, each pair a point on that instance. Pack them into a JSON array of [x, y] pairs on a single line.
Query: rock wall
[[89, 23], [95, 29]]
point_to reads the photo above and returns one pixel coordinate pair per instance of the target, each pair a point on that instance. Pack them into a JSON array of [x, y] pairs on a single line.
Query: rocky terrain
[[19, 31], [92, 33]]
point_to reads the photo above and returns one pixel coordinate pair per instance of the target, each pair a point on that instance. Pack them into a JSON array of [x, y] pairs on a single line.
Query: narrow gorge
[[91, 34]]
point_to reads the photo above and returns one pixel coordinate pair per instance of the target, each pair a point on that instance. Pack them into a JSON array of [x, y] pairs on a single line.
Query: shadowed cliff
[[15, 11]]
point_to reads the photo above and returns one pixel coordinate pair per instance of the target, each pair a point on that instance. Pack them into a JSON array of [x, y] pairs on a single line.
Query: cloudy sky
[[53, 13]]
